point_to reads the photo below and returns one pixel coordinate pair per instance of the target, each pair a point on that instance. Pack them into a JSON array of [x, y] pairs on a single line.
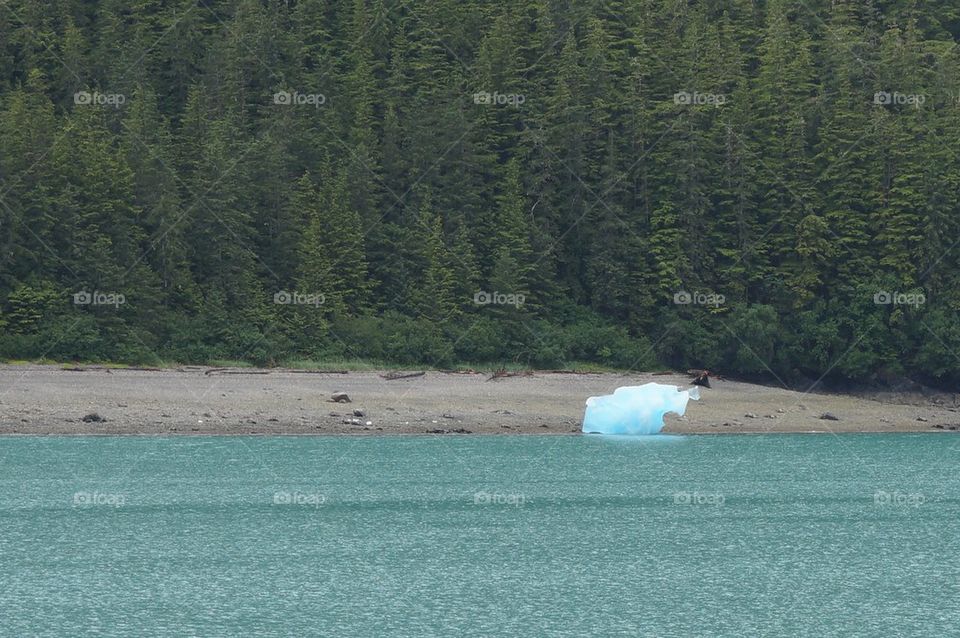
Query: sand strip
[[47, 399]]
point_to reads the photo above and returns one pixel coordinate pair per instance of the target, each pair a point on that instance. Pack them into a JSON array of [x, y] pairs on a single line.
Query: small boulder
[[829, 416], [750, 415], [93, 417], [921, 418], [352, 422], [359, 413], [340, 397]]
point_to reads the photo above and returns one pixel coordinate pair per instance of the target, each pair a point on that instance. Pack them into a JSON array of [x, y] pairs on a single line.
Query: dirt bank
[[47, 399]]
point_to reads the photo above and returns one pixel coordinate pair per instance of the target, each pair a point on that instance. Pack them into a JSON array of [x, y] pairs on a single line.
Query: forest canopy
[[768, 189]]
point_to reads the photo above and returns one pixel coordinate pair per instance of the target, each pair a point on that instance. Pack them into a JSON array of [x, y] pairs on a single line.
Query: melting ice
[[636, 409]]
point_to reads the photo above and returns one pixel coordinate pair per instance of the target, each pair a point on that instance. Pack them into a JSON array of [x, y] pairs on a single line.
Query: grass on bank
[[350, 365]]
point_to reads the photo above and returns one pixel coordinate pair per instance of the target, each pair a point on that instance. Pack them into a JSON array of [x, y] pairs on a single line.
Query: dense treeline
[[764, 188]]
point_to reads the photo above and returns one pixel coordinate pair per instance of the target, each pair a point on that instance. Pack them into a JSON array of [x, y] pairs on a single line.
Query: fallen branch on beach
[[318, 371], [503, 374], [90, 369], [242, 371], [393, 376], [234, 371], [568, 372]]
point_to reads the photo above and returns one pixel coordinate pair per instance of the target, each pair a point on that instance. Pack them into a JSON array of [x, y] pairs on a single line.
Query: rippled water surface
[[480, 536]]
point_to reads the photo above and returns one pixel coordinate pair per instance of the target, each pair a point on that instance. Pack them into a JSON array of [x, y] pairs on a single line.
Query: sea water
[[813, 535]]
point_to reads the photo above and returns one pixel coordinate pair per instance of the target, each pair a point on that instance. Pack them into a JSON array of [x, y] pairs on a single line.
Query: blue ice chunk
[[636, 409]]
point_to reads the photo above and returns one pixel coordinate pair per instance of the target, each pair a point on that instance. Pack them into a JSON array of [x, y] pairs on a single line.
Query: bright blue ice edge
[[634, 410]]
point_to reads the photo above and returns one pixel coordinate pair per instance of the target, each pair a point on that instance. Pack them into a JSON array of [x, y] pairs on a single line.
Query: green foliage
[[581, 197], [29, 306]]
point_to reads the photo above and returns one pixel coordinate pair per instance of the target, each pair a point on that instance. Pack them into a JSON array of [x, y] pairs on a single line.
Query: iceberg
[[635, 409]]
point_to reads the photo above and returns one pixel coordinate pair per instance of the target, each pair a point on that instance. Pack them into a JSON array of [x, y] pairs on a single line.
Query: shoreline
[[40, 399], [365, 435]]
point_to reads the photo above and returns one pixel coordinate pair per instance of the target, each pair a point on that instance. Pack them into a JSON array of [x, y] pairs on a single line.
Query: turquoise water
[[480, 536]]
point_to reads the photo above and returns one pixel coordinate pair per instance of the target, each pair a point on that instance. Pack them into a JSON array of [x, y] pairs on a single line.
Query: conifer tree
[[28, 128], [438, 293], [786, 180]]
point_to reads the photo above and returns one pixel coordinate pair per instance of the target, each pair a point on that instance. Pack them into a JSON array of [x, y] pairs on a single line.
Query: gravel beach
[[53, 399]]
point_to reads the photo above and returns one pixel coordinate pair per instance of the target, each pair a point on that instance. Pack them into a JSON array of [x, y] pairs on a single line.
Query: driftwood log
[[393, 376], [503, 374], [233, 371]]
